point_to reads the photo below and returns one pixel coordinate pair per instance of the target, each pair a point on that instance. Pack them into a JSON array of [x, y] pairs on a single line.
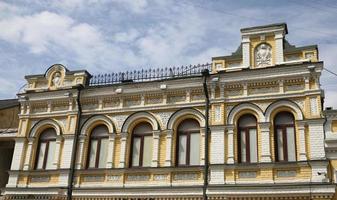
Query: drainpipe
[[74, 150], [205, 74]]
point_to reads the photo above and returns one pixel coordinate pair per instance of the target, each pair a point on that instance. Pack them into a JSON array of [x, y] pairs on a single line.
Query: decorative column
[[29, 154], [281, 86], [80, 153], [302, 147], [18, 155], [217, 147], [316, 137], [56, 161], [155, 148], [222, 90], [168, 158], [111, 150], [265, 139], [245, 89], [307, 83], [202, 145], [67, 151], [245, 51], [230, 144], [279, 58], [124, 137]]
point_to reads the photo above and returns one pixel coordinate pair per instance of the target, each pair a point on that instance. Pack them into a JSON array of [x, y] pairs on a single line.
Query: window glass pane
[[182, 150], [136, 151], [48, 134], [143, 129], [93, 153], [195, 149], [40, 158], [100, 131], [283, 118], [280, 144], [243, 146], [103, 153], [247, 120], [253, 145], [147, 154], [189, 125], [291, 144], [51, 153]]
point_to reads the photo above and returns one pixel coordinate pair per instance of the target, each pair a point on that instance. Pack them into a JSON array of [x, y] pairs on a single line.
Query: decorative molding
[[186, 176], [138, 177], [247, 174], [286, 173]]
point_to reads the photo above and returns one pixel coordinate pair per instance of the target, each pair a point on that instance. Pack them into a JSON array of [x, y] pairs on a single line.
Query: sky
[[105, 36]]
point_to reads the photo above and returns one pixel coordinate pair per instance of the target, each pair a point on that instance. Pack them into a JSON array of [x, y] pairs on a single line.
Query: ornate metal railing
[[145, 75]]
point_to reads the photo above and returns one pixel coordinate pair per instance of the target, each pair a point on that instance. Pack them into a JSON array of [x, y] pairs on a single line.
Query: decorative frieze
[[286, 173], [61, 106], [93, 178], [138, 177], [89, 103], [160, 177], [40, 107], [197, 95], [114, 177], [247, 174], [154, 99], [294, 87], [39, 179], [263, 90], [176, 97], [132, 101], [186, 176], [111, 102]]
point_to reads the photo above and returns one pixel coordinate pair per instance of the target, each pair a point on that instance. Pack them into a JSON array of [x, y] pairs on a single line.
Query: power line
[[331, 72]]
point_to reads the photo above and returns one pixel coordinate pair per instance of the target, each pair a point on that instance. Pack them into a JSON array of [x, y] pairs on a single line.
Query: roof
[[276, 25], [8, 103]]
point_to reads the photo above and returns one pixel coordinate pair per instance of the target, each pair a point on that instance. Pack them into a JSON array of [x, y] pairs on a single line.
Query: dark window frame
[[98, 151], [45, 157], [188, 146], [284, 127], [247, 135], [141, 149]]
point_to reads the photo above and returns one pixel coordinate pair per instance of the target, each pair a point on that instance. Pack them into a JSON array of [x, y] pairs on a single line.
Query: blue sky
[[114, 35]]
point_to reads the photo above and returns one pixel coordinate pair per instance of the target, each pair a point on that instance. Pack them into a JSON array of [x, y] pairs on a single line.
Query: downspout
[[74, 150], [205, 74]]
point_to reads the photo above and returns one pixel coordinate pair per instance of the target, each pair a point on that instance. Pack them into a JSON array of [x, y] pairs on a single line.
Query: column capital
[[301, 124], [112, 136], [217, 128], [230, 128], [265, 126], [124, 135]]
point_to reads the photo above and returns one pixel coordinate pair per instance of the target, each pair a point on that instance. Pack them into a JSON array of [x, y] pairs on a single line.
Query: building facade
[[141, 134]]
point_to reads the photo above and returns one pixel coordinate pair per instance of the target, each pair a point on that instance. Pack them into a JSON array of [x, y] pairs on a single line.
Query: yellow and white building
[[141, 134]]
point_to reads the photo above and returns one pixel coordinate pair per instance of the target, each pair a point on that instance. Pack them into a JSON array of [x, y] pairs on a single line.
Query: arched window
[[98, 148], [247, 139], [141, 145], [188, 144], [285, 148], [46, 149]]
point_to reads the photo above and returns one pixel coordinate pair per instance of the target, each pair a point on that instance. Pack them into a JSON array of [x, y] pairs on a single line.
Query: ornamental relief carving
[[264, 90], [164, 117], [263, 105], [263, 55], [120, 119]]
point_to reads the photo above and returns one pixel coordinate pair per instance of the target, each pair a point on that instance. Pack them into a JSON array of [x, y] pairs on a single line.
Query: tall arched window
[[247, 139], [188, 144], [141, 148], [285, 148], [46, 149], [98, 148]]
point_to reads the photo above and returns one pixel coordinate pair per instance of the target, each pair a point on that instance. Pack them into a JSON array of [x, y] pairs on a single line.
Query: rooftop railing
[[145, 75]]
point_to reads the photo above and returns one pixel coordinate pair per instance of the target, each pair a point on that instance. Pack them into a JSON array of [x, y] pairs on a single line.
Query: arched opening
[[285, 143], [247, 139], [188, 143], [46, 149], [98, 148], [141, 145]]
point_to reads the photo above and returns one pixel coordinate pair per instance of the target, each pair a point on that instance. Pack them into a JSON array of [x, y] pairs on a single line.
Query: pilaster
[[155, 150], [168, 158], [230, 143], [265, 140], [123, 149], [302, 147], [111, 150]]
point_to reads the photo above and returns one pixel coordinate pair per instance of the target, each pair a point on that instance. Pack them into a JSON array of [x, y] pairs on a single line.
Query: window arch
[[98, 147], [188, 144], [46, 149], [247, 139], [141, 145], [285, 143]]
